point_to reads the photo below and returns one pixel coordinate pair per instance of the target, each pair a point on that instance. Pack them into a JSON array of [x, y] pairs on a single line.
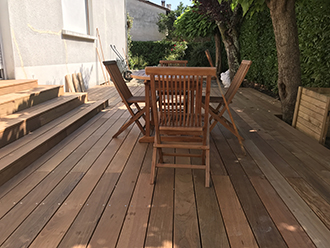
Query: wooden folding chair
[[173, 62], [127, 97], [208, 56], [224, 100], [179, 117]]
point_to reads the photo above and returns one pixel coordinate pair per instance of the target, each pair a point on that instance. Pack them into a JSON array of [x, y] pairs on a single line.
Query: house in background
[[145, 17], [46, 40]]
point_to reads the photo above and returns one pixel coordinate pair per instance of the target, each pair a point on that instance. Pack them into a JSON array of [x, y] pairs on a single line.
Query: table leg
[[147, 138]]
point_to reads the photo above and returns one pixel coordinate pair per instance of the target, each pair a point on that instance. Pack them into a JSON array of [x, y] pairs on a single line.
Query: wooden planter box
[[311, 114]]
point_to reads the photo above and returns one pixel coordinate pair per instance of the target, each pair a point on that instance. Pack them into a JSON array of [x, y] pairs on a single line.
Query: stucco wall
[[145, 21], [36, 47]]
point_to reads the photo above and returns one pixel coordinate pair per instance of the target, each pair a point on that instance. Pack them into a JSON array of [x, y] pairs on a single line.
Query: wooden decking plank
[[56, 228], [311, 171], [238, 229], [24, 234], [312, 198], [46, 168], [160, 226], [13, 218], [10, 148], [316, 230], [55, 133], [106, 209], [77, 137], [74, 137], [136, 220], [312, 147], [261, 223], [35, 111], [212, 229], [216, 164], [185, 229], [286, 223]]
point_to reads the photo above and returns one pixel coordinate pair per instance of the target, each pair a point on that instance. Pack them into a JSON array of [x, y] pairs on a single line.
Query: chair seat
[[134, 99], [213, 99]]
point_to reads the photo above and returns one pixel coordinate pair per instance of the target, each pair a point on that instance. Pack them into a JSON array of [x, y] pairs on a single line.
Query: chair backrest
[[117, 79], [180, 95], [208, 56], [237, 80], [173, 62]]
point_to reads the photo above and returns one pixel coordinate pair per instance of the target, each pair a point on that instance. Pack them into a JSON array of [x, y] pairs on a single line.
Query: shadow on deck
[[93, 191]]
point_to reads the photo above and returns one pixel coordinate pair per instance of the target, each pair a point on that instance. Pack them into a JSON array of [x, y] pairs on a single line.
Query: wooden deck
[[93, 191]]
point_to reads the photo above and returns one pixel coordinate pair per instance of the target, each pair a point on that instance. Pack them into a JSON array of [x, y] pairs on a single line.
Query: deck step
[[21, 153], [15, 126], [17, 101], [10, 86]]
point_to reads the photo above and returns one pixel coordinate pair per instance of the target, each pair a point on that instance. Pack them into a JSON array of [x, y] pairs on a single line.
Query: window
[[76, 16]]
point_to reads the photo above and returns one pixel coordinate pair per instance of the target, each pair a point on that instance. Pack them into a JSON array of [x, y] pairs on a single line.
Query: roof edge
[[156, 5]]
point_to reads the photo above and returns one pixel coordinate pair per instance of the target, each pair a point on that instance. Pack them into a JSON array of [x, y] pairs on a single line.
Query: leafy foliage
[[166, 22], [192, 24], [257, 43], [314, 35], [129, 24], [151, 52]]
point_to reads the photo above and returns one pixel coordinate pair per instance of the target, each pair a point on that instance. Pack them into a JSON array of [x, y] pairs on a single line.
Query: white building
[[145, 17], [48, 39]]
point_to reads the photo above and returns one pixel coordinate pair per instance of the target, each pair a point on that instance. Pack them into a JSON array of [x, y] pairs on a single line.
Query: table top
[[140, 74]]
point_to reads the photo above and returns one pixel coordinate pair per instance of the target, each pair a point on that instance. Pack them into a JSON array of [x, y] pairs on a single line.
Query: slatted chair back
[[180, 95], [128, 99], [180, 121], [173, 63], [118, 80], [237, 80]]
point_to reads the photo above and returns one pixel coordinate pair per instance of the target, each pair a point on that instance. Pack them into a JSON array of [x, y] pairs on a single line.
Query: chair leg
[[207, 168], [135, 119], [160, 154], [153, 165], [203, 157]]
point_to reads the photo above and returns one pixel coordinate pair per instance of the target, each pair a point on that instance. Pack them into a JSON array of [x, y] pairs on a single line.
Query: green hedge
[[314, 41], [150, 52], [257, 43]]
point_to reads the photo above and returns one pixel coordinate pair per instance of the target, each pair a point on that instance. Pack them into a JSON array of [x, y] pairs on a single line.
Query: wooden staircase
[[34, 118]]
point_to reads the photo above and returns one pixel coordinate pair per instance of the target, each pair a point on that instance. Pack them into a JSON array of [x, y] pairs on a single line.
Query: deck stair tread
[[19, 154], [19, 100], [21, 123], [9, 86]]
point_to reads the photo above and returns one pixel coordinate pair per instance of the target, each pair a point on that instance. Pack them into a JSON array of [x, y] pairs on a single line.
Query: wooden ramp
[[93, 191]]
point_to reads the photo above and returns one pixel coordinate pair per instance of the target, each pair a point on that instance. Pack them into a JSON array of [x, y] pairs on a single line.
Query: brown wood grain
[[238, 229]]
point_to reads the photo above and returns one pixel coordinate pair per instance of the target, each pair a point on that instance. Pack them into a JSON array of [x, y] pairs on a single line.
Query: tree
[[166, 22], [228, 16], [191, 24], [283, 17]]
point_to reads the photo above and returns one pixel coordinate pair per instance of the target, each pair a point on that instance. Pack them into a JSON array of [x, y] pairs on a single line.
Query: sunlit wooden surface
[[94, 191]]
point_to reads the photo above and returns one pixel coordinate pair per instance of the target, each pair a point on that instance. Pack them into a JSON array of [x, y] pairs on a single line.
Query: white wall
[[35, 46], [145, 20]]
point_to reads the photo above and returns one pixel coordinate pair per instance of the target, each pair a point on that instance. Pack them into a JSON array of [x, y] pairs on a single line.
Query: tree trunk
[[230, 40], [286, 36], [217, 40]]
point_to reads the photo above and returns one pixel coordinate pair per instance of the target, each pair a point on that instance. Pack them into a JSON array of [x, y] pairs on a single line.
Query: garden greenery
[[257, 43]]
